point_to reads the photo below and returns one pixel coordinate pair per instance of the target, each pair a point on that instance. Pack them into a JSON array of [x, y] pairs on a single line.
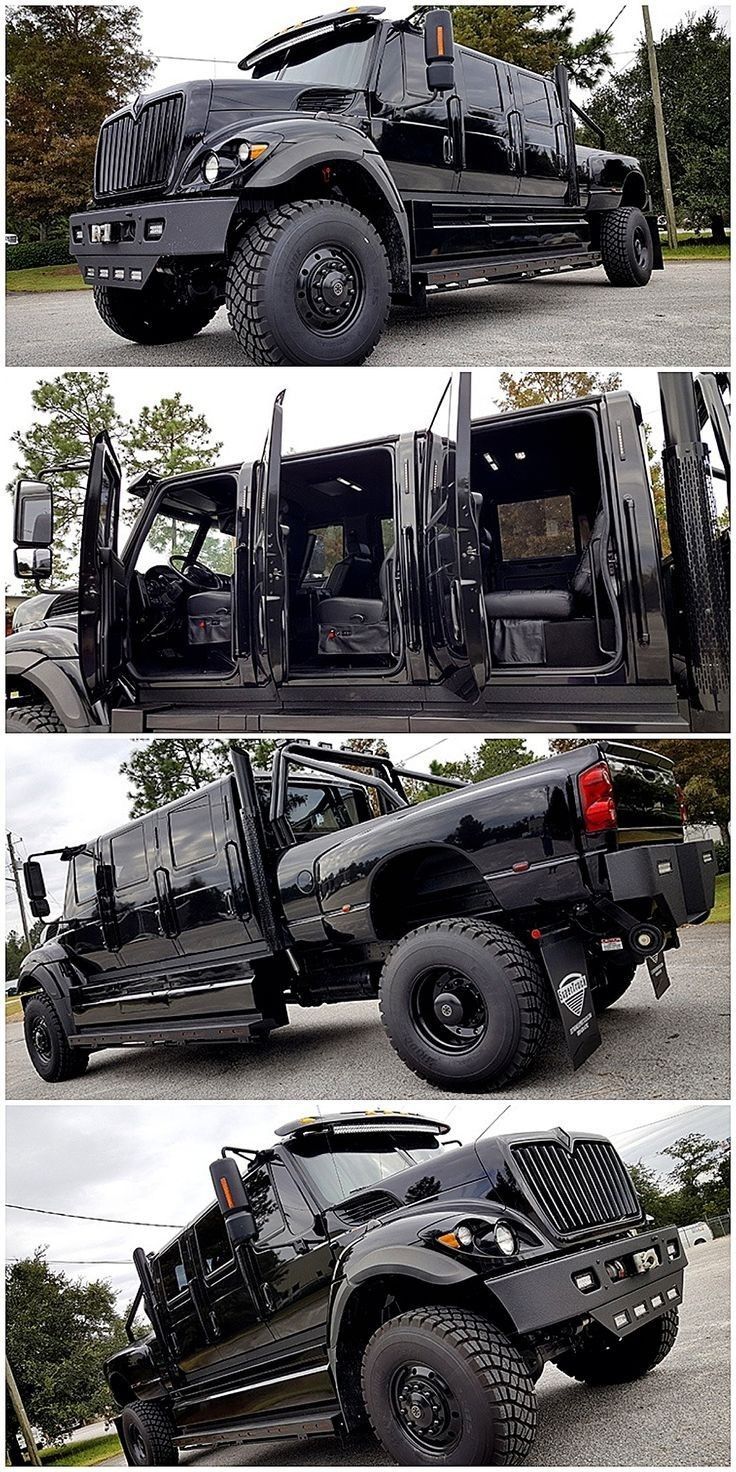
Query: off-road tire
[[261, 282], [505, 974], [148, 1427], [621, 236], [154, 314], [602, 1359], [57, 1061], [486, 1375], [21, 719], [614, 977]]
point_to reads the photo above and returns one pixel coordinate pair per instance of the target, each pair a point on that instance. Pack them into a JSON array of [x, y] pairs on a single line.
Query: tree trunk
[[718, 230]]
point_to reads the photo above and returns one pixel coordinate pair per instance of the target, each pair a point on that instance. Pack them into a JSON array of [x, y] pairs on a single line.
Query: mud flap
[[564, 960], [660, 976]]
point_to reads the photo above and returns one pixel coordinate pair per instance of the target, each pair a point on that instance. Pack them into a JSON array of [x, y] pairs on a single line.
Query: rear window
[[534, 98], [191, 833], [313, 810], [129, 857], [543, 528]]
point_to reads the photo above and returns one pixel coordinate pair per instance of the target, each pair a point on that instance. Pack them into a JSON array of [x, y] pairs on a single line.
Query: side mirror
[[439, 51], [36, 889], [232, 1199], [35, 563], [33, 524]]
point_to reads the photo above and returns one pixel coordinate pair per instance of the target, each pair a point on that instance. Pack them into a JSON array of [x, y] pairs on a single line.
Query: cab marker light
[[621, 1320], [672, 1293], [657, 1301], [639, 1310]]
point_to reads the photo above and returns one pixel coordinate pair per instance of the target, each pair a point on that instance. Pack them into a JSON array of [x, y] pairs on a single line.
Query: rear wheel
[[160, 312], [443, 1387], [148, 1433], [626, 247], [611, 979], [464, 1003], [46, 1041], [20, 719], [601, 1359]]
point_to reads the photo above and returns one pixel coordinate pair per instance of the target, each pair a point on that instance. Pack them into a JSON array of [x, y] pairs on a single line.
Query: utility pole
[[15, 871], [664, 163], [20, 1412]]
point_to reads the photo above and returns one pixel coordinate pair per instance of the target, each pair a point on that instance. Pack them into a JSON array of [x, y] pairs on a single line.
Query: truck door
[[140, 923], [206, 888], [83, 931], [457, 623], [103, 592], [244, 625], [492, 126], [544, 174], [270, 592], [411, 126]]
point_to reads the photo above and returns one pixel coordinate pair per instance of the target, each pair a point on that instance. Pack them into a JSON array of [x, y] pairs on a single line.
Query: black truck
[[360, 162], [364, 1271], [470, 916], [504, 571]]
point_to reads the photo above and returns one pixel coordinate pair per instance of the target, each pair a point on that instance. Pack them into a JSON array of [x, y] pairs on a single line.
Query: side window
[[388, 534], [172, 1270], [534, 99], [391, 75], [416, 66], [482, 89], [83, 888], [264, 1203], [212, 1242], [328, 550], [312, 810], [543, 528], [129, 857], [191, 833], [294, 1205]]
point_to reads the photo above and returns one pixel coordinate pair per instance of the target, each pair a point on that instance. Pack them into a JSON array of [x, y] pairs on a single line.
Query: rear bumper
[[679, 877], [547, 1295], [191, 227]]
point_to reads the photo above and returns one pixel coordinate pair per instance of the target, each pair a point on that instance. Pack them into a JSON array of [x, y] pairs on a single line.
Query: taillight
[[596, 799], [683, 804]]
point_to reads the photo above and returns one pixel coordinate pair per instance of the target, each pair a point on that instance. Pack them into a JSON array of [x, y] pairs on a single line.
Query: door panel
[[545, 149], [85, 936], [244, 590], [207, 898], [492, 160], [103, 594], [410, 124], [141, 931]]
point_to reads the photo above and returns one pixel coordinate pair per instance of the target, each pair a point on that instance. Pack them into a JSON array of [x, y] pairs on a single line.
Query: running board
[[480, 273], [286, 1428], [189, 1031]]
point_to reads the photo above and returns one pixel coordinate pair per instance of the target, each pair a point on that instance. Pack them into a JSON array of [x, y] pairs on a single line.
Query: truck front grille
[[139, 153], [580, 1188]]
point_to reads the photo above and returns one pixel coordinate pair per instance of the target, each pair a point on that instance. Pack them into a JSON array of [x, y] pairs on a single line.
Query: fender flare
[[57, 686], [50, 979]]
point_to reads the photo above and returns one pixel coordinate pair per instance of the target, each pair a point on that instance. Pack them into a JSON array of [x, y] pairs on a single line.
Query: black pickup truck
[[470, 917], [504, 571], [361, 161], [361, 1271]]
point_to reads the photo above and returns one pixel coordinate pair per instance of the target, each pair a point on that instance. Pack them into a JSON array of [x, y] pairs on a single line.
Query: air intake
[[367, 1206], [323, 99]]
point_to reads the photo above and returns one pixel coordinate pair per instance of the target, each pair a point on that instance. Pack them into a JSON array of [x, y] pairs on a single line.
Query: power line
[[78, 1217], [83, 1262]]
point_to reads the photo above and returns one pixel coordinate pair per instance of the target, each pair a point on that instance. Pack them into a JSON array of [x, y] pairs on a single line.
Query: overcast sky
[[150, 1163]]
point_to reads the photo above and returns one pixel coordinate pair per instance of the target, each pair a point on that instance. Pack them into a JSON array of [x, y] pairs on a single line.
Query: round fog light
[[464, 1236], [505, 1239], [244, 152], [211, 168]]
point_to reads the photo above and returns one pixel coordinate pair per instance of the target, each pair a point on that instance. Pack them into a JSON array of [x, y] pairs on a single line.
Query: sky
[[127, 1161]]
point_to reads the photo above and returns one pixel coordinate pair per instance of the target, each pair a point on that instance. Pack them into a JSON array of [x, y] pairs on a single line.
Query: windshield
[[337, 1168], [336, 58]]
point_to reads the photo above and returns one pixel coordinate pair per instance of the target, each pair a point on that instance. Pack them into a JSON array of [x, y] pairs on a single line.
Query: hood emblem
[[565, 1140]]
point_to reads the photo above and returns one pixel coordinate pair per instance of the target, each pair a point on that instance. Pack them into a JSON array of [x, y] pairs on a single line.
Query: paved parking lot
[[568, 320], [677, 1048]]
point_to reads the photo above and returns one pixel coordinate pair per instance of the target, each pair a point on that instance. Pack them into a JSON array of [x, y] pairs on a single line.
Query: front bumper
[[679, 877], [546, 1295], [191, 227]]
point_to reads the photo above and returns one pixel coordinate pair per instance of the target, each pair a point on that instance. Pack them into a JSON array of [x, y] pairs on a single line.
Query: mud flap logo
[[571, 992]]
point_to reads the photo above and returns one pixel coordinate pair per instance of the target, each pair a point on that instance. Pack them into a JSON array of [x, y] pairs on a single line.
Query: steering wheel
[[196, 572]]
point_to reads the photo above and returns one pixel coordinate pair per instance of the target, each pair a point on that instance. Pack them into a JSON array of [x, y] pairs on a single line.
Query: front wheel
[[601, 1359], [443, 1387], [158, 313], [464, 1004], [148, 1435], [47, 1043], [21, 719], [626, 247], [309, 283]]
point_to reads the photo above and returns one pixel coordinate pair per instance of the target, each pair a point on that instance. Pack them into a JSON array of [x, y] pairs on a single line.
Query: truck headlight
[[505, 1239], [211, 168], [249, 152]]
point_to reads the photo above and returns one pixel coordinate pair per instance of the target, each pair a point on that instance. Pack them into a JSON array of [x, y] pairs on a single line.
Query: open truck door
[[270, 586], [457, 620], [103, 592]]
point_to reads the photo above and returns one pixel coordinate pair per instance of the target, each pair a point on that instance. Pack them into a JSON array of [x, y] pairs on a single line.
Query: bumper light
[[621, 1320], [672, 1294], [586, 1282], [154, 229], [78, 232], [505, 1239], [673, 1250]]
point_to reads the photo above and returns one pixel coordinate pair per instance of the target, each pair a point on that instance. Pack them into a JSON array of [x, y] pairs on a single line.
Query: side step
[[187, 1031], [480, 273], [286, 1428]]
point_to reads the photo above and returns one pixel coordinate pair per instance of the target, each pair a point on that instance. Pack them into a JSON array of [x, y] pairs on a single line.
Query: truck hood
[[252, 101], [61, 605]]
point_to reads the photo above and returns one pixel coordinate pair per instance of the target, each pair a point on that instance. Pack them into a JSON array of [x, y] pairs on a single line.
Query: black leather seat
[[358, 625], [353, 576], [209, 617], [551, 603]]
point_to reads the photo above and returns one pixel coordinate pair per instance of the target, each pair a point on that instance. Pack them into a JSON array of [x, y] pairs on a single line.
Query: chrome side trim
[[202, 988], [261, 1384]]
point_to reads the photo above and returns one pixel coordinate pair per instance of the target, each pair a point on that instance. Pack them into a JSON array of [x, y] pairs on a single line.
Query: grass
[[46, 278], [721, 912], [82, 1453], [694, 248], [13, 1009]]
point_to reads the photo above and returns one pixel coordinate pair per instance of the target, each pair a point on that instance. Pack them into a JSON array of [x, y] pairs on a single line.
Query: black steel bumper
[[546, 1295], [191, 227], [680, 877]]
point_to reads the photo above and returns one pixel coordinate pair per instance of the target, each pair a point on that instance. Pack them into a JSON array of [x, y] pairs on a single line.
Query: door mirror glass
[[34, 514], [35, 563], [36, 889], [439, 51]]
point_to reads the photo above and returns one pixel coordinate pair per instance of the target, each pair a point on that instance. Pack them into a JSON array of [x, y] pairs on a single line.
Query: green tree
[[170, 438], [492, 758], [650, 1189], [162, 770], [16, 948], [701, 1176], [68, 67], [59, 1334], [533, 36], [69, 411], [694, 68]]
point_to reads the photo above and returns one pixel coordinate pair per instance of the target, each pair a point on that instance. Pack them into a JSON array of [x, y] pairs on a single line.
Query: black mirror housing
[[34, 563], [36, 889], [439, 51], [33, 520], [232, 1199]]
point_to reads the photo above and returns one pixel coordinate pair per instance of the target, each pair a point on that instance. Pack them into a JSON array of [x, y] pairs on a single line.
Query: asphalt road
[[677, 1048], [677, 1416], [571, 320]]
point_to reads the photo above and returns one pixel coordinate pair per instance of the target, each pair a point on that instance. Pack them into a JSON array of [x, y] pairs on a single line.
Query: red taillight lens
[[683, 805], [596, 799]]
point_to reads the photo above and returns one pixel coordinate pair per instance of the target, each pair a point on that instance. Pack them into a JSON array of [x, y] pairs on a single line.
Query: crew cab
[[362, 1271], [470, 917], [361, 161], [504, 572]]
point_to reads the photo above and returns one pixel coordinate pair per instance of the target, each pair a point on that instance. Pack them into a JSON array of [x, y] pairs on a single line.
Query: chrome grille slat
[[577, 1189], [135, 153]]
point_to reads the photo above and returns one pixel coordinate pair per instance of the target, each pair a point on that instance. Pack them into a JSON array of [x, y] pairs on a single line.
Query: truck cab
[[364, 1271], [504, 571], [361, 161]]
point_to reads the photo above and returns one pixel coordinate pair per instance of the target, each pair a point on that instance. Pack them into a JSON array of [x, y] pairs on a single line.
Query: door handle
[[448, 149]]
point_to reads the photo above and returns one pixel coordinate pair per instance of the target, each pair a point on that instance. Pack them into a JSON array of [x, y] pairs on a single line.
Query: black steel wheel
[[148, 1435], [448, 1009], [47, 1044], [626, 247], [425, 1406]]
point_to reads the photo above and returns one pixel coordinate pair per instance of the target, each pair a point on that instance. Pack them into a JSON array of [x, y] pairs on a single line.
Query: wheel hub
[[426, 1407], [448, 1010], [329, 289], [42, 1040], [448, 1007]]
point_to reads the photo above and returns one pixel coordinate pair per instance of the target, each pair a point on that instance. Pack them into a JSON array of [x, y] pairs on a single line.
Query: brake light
[[596, 799], [683, 804]]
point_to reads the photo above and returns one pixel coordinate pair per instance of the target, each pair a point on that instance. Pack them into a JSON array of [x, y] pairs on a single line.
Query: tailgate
[[646, 795]]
